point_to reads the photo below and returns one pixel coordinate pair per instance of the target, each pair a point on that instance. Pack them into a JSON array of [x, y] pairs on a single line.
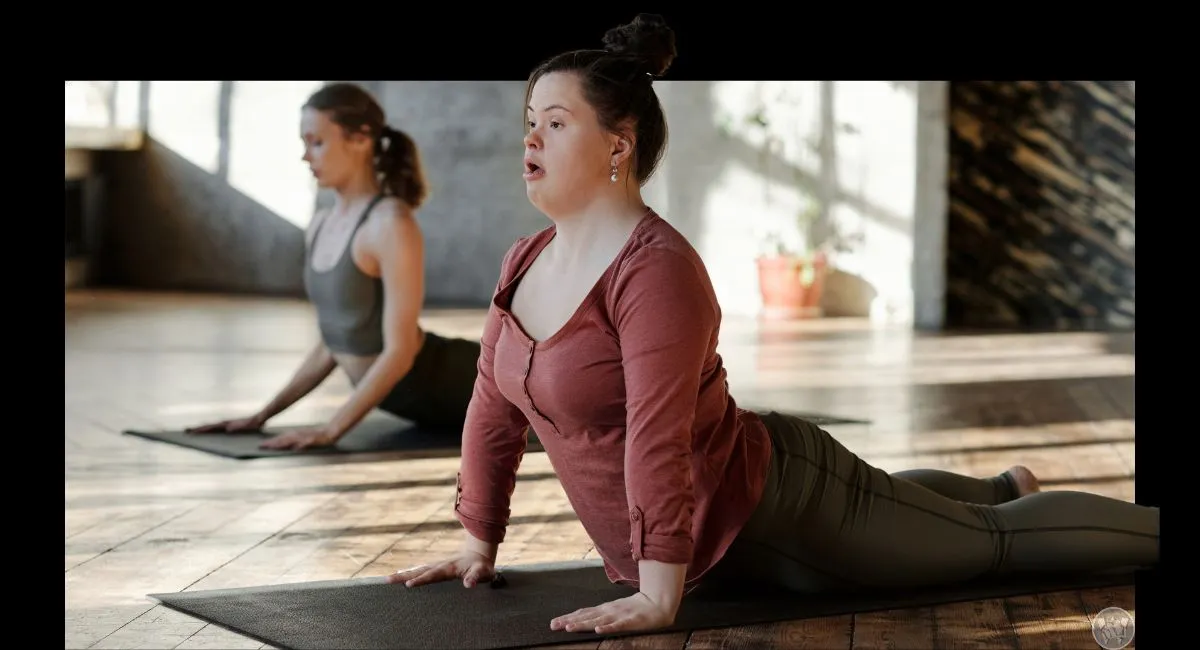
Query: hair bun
[[647, 38]]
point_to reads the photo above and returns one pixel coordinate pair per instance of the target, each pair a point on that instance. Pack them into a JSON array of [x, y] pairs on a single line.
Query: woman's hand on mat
[[472, 568], [303, 438], [636, 613], [252, 423]]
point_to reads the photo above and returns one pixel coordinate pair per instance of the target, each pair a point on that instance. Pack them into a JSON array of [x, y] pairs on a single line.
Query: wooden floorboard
[[144, 517]]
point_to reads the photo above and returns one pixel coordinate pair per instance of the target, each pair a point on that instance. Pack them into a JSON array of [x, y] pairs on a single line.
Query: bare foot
[[1027, 483]]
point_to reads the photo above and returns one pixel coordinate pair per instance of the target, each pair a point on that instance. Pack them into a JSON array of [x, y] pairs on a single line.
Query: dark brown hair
[[618, 83], [397, 160]]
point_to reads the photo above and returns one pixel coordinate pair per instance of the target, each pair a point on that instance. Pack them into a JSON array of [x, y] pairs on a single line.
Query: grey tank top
[[349, 303]]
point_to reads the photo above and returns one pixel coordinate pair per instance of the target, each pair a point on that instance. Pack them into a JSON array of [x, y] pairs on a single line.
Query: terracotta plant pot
[[791, 287]]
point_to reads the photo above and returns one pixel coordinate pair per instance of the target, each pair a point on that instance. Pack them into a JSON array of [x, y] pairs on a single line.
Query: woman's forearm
[[316, 368], [385, 372], [662, 583]]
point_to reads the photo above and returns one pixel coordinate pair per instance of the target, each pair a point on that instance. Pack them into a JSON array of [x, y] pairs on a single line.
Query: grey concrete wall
[[173, 225], [932, 198], [216, 200], [470, 136], [219, 199]]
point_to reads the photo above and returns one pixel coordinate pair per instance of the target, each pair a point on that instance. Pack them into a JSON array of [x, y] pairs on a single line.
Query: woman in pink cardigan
[[602, 336]]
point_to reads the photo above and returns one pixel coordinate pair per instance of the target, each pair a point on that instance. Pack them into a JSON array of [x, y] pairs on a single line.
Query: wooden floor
[[144, 517]]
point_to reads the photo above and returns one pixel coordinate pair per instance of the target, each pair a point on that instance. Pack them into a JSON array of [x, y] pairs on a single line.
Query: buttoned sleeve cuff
[[668, 549], [487, 523]]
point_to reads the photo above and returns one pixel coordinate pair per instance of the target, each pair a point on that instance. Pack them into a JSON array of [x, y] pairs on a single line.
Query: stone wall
[[1041, 219]]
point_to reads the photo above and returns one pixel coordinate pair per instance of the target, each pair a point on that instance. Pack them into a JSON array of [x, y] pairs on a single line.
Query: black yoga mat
[[368, 613], [373, 434]]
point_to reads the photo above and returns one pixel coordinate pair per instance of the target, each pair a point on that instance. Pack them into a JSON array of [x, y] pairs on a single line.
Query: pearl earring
[[613, 178]]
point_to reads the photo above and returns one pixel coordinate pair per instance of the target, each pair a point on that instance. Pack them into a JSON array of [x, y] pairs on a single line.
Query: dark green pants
[[437, 389], [829, 521]]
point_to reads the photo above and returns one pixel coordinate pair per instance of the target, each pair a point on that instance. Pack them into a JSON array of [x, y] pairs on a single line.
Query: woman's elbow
[[399, 358]]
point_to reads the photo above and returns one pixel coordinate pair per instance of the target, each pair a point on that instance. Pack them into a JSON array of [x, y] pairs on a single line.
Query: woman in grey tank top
[[364, 273]]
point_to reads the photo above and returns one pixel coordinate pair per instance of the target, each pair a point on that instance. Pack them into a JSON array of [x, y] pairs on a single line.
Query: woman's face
[[568, 156], [332, 157]]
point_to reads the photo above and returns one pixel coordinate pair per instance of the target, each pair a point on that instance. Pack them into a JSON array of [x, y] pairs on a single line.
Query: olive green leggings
[[830, 521]]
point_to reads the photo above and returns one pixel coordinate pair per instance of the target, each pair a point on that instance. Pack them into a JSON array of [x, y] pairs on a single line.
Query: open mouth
[[532, 170]]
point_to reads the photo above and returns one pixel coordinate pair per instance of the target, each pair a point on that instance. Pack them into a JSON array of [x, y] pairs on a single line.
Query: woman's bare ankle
[[1026, 482]]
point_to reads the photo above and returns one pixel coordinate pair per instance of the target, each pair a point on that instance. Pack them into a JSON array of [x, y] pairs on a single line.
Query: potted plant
[[791, 277], [791, 282]]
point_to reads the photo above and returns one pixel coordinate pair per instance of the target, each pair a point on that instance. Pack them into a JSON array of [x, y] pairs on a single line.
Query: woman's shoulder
[[389, 208], [660, 267], [391, 219], [659, 246]]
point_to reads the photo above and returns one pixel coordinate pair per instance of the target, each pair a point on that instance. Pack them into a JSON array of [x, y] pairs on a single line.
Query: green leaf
[[758, 118], [808, 273]]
